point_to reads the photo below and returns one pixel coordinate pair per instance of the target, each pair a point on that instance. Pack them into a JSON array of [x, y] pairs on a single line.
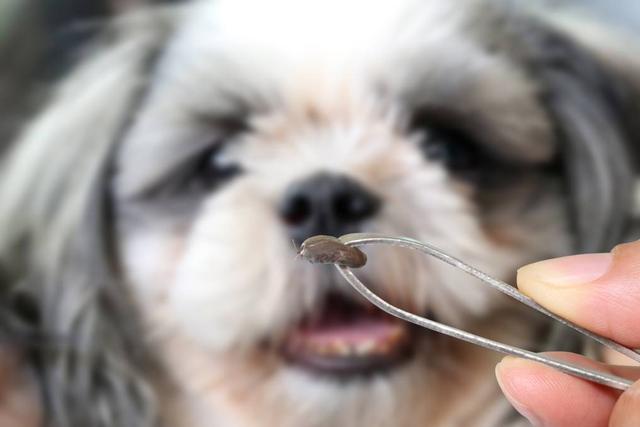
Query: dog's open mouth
[[344, 337]]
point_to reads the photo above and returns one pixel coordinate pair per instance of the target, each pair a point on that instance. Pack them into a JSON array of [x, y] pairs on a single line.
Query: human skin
[[602, 293]]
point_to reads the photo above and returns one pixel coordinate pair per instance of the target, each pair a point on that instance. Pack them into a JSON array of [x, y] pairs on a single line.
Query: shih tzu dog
[[147, 215]]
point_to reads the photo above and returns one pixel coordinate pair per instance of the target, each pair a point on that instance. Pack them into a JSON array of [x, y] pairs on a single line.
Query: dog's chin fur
[[172, 302]]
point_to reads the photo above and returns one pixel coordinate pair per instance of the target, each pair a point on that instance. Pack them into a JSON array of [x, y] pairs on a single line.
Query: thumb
[[598, 291]]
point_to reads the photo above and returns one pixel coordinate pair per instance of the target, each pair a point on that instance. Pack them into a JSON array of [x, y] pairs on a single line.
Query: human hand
[[600, 292]]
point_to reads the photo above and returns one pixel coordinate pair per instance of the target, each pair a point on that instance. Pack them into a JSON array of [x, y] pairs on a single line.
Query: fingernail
[[566, 271], [517, 405]]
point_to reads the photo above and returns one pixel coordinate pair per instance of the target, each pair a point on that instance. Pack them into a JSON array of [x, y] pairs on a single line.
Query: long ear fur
[[58, 277], [594, 103], [594, 106]]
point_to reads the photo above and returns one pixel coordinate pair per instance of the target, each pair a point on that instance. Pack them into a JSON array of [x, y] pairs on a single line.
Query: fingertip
[[520, 379], [626, 412], [507, 374], [547, 397]]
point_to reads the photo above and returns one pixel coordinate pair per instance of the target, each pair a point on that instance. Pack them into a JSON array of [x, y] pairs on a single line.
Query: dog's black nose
[[326, 204]]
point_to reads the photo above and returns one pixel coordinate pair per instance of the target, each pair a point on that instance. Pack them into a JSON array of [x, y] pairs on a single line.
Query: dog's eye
[[458, 152], [212, 168], [452, 148]]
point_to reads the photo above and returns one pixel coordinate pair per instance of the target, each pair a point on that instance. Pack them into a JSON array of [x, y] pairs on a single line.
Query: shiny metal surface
[[363, 239]]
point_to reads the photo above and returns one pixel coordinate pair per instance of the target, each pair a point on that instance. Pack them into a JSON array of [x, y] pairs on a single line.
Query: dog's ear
[[591, 90], [593, 100], [58, 280]]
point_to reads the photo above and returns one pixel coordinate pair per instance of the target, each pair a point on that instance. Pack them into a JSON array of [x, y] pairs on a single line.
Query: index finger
[[551, 398]]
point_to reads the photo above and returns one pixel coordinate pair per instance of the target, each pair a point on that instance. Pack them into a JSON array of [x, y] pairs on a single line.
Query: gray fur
[[55, 253], [591, 109]]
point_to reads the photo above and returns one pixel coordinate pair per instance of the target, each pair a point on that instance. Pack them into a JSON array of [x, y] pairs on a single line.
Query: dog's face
[[226, 132], [265, 126]]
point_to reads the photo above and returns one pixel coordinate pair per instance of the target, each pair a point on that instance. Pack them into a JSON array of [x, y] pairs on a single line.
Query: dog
[[148, 212]]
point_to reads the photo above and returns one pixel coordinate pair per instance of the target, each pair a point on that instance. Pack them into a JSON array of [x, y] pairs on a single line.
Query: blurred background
[[40, 38]]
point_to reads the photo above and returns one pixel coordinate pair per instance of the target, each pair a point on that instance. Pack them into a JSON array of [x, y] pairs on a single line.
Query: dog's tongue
[[365, 329], [343, 329]]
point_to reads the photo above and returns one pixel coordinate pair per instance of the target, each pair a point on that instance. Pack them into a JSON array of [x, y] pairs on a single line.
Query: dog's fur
[[135, 300]]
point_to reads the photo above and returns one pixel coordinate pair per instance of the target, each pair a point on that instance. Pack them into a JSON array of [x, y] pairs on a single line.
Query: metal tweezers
[[327, 254]]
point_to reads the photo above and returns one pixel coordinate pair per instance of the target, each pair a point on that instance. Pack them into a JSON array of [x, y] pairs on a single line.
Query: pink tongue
[[353, 332]]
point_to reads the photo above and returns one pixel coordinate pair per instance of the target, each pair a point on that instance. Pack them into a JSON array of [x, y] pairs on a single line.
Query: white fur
[[216, 287]]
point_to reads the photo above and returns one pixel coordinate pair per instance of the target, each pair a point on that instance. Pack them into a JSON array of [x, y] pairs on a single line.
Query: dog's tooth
[[365, 347], [330, 348], [342, 348], [334, 350]]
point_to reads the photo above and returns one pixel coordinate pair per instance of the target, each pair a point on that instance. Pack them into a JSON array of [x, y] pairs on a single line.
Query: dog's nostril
[[326, 204], [354, 206], [296, 209]]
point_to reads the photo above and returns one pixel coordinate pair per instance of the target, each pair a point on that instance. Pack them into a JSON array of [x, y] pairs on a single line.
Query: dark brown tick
[[330, 250]]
